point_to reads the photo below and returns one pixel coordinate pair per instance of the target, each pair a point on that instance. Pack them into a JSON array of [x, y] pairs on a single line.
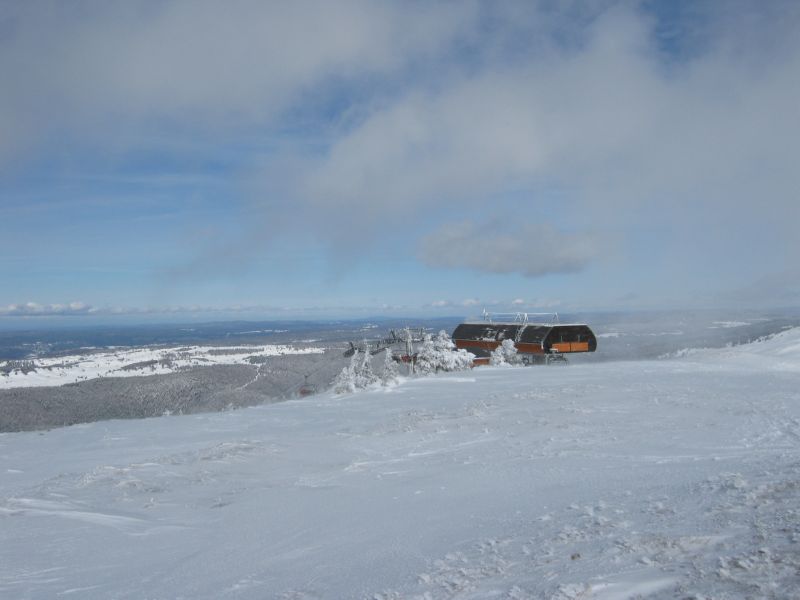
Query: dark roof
[[485, 331], [535, 333]]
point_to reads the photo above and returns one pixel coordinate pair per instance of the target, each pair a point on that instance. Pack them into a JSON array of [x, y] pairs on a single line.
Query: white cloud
[[95, 67], [631, 140], [34, 309]]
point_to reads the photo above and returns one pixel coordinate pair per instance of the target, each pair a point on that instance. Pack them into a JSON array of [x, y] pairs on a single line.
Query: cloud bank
[[34, 309]]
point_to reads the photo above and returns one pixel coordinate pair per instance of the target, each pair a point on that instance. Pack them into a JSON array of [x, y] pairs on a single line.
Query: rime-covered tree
[[345, 381], [358, 375], [365, 376], [505, 354], [390, 373], [439, 354]]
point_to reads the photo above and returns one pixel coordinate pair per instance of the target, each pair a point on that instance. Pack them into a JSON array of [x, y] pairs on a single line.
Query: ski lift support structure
[[405, 338]]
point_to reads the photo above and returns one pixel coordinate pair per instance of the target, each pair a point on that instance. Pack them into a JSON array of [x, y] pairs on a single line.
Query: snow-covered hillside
[[677, 478], [133, 362], [776, 352]]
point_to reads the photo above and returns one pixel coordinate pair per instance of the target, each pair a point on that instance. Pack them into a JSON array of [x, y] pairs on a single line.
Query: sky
[[341, 158]]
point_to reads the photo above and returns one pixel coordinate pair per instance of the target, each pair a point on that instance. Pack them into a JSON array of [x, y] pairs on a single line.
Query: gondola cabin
[[534, 341]]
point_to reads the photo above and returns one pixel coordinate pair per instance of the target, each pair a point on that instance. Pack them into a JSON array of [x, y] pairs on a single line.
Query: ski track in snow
[[664, 479]]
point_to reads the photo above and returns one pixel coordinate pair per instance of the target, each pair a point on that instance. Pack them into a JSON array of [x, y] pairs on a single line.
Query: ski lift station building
[[535, 339]]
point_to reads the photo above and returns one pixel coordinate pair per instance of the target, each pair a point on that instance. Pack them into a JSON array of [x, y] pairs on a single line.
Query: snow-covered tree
[[365, 376], [439, 354], [345, 381], [390, 372], [505, 354], [426, 356], [358, 375]]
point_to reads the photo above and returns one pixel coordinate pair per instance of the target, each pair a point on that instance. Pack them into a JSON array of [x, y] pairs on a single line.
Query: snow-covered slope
[[133, 362], [667, 479], [775, 352]]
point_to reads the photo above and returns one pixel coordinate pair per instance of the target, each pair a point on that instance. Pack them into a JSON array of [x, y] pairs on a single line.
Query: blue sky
[[318, 158]]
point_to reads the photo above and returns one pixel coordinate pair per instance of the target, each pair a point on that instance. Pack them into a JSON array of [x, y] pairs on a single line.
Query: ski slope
[[676, 478]]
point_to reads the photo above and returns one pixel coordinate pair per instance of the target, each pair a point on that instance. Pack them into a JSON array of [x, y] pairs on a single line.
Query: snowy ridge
[[653, 479], [780, 351], [133, 362]]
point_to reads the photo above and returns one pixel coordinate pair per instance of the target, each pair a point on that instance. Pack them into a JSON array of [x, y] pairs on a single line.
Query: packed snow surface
[[133, 362], [675, 478]]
